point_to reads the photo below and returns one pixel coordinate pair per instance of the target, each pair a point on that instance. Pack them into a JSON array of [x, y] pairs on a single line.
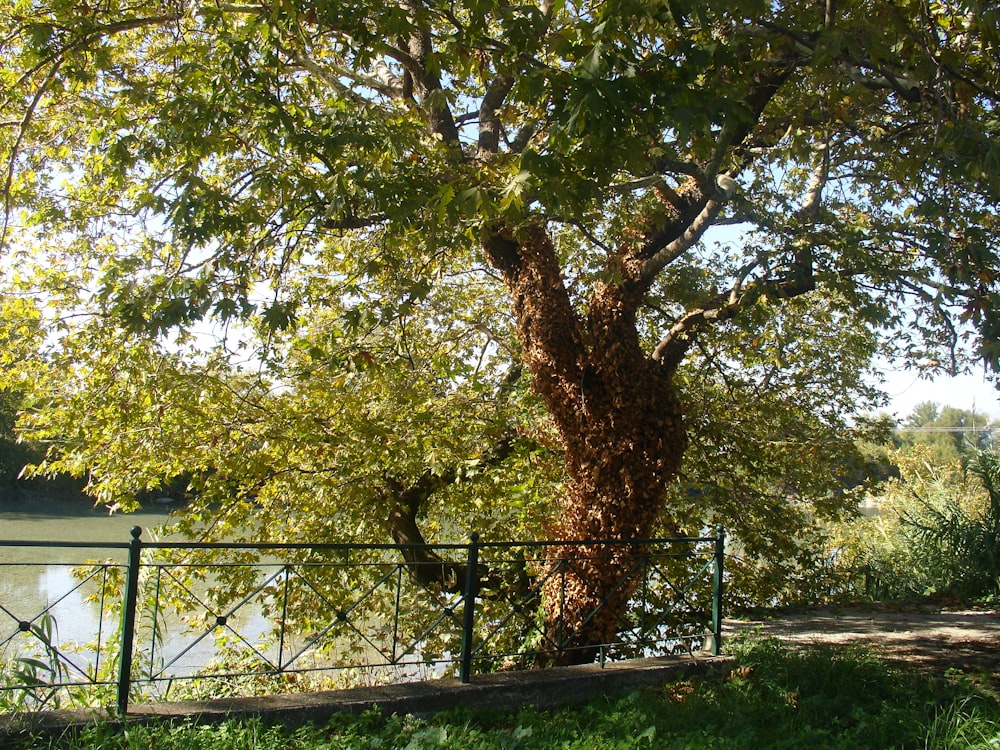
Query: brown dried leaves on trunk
[[619, 420]]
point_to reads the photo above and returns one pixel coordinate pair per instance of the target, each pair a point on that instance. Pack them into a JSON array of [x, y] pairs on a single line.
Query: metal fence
[[197, 620]]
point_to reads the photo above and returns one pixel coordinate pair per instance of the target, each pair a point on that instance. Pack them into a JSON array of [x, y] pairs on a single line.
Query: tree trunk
[[620, 423], [424, 565]]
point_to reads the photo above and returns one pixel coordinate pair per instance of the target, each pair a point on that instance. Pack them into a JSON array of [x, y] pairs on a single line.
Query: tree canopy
[[20, 332], [693, 223]]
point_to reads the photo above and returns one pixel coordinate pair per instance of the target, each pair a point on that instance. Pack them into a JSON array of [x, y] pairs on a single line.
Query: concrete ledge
[[544, 688]]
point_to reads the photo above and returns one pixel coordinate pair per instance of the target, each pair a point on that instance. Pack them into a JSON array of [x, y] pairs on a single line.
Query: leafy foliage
[[775, 456], [952, 433], [278, 244], [936, 533], [20, 330], [36, 679]]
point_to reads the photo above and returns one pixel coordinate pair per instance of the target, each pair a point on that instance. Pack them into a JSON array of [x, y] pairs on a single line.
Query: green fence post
[[469, 618], [720, 556], [128, 619]]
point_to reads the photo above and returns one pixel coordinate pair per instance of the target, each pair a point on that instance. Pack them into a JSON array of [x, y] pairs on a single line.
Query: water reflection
[[72, 520], [34, 580], [366, 617]]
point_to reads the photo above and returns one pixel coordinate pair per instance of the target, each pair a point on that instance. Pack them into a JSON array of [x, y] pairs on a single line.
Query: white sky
[[906, 389]]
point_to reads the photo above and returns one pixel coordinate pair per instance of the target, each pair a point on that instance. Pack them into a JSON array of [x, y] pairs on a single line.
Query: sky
[[906, 389]]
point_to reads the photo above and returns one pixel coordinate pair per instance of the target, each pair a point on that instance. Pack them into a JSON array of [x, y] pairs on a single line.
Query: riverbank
[[930, 640]]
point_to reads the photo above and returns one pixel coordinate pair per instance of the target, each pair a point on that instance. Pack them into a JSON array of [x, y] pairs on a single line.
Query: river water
[[39, 579], [35, 580]]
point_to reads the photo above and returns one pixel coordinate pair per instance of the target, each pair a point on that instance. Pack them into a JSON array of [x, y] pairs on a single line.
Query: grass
[[774, 698]]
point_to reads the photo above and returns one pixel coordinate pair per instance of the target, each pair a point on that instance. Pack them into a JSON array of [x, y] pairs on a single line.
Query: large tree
[[208, 160]]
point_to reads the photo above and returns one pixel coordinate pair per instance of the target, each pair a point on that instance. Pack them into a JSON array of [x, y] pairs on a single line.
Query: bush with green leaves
[[937, 532]]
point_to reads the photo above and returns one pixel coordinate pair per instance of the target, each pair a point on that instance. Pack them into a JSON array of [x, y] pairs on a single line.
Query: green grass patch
[[774, 698]]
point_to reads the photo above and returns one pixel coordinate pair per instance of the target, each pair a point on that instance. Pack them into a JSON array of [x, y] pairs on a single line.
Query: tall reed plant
[[961, 544], [937, 533]]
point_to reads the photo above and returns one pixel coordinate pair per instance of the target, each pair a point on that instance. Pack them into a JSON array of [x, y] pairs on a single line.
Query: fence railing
[[211, 619]]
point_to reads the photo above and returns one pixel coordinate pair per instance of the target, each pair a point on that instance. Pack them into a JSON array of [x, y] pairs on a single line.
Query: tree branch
[[489, 122], [427, 85], [814, 191], [907, 88], [713, 188], [424, 565], [346, 223], [673, 250], [674, 345], [330, 76], [801, 280], [15, 149], [523, 137], [56, 60]]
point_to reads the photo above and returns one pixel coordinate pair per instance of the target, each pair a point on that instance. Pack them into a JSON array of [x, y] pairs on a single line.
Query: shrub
[[937, 533]]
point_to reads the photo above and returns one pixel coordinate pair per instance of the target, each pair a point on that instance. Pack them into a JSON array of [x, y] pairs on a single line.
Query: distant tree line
[[951, 433]]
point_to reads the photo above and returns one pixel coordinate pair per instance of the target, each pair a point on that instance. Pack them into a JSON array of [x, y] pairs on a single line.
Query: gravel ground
[[968, 640]]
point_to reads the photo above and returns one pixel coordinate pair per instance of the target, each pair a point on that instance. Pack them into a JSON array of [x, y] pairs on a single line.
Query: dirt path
[[962, 639]]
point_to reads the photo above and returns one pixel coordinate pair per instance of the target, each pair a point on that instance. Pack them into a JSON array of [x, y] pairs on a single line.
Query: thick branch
[[489, 122], [814, 191], [345, 223], [674, 345], [523, 137], [801, 280], [331, 77], [424, 565], [711, 189], [548, 326], [694, 232], [427, 84]]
